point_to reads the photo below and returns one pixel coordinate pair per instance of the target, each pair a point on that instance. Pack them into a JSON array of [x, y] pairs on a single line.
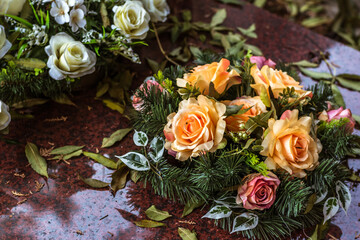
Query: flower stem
[[161, 48]]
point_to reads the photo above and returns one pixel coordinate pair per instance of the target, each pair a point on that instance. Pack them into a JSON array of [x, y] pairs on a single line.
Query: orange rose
[[202, 76], [276, 79], [233, 122], [198, 126], [288, 144]]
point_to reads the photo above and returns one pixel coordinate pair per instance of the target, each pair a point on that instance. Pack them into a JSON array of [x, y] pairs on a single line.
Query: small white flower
[[60, 11], [70, 3], [5, 116], [77, 19], [5, 45], [79, 4]]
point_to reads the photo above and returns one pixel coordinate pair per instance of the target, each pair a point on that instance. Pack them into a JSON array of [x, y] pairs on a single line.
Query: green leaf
[[29, 103], [254, 49], [245, 221], [314, 236], [260, 3], [186, 15], [94, 182], [37, 162], [101, 159], [140, 139], [249, 32], [155, 214], [350, 83], [264, 96], [134, 176], [235, 2], [331, 207], [218, 18], [314, 22], [258, 121], [157, 147], [149, 224], [102, 88], [337, 95], [153, 65], [315, 75], [354, 178], [305, 63], [190, 206], [65, 150], [114, 105], [115, 137], [74, 154], [218, 212], [186, 234], [357, 118], [20, 20], [343, 195], [135, 161], [195, 51], [310, 203], [119, 178], [63, 99], [21, 50], [30, 63]]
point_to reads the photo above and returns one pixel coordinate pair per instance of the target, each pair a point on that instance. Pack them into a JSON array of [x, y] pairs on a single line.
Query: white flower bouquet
[[46, 40]]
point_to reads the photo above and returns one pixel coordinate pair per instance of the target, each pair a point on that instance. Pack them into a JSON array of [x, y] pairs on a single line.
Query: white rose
[[12, 7], [158, 9], [132, 19], [5, 116], [68, 57], [5, 45]]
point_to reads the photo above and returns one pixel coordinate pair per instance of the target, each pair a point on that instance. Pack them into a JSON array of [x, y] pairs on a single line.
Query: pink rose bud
[[286, 115], [258, 191], [262, 61], [341, 113], [137, 102]]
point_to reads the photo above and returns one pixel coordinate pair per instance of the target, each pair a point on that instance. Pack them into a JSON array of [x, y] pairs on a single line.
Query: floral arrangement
[[42, 41], [244, 137]]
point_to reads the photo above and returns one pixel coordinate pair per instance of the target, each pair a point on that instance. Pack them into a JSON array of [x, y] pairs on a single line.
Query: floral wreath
[[46, 45], [244, 137]]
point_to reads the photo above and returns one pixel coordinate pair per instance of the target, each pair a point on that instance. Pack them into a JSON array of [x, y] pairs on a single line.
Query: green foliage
[[336, 138], [321, 94], [17, 85], [154, 112], [206, 57], [291, 196]]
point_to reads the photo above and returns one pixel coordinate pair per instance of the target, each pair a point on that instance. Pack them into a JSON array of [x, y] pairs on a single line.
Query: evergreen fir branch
[[174, 72], [206, 57], [322, 93], [156, 107], [17, 85], [291, 196], [326, 174], [335, 137], [174, 183]]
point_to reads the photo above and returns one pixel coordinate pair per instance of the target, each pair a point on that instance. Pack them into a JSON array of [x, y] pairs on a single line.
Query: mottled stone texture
[[68, 209]]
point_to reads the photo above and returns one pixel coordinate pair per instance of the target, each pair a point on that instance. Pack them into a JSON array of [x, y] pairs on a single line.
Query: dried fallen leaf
[[37, 162], [149, 224]]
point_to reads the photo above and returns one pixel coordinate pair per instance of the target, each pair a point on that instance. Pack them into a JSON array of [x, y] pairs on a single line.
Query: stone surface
[[65, 208]]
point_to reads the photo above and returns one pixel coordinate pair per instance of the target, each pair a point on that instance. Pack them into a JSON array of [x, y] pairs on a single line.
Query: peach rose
[[198, 126], [258, 191], [288, 144], [217, 73], [276, 79], [233, 122]]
